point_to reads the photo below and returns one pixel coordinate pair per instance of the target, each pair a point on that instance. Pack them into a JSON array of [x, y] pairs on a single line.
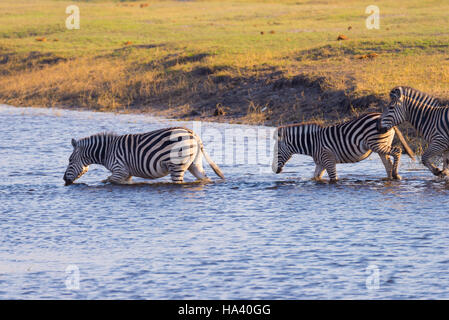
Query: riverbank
[[240, 61]]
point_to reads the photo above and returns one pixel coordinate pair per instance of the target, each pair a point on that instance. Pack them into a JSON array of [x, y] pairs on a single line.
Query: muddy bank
[[271, 98]]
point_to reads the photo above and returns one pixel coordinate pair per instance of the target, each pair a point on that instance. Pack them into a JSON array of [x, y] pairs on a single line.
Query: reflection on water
[[254, 235]]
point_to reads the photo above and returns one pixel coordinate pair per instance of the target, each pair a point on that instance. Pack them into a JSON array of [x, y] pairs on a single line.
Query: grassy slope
[[208, 59]]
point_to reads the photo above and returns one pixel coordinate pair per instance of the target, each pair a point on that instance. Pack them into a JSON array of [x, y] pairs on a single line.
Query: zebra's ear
[[74, 143]]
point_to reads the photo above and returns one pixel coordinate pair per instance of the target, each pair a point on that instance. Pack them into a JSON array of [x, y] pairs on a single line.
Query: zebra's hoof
[[333, 181], [397, 177]]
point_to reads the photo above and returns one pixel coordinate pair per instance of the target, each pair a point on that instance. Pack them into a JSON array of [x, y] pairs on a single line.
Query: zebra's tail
[[408, 150], [212, 163]]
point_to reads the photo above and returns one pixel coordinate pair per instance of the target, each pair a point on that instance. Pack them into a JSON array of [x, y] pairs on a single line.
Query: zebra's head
[[77, 164], [282, 152], [395, 112]]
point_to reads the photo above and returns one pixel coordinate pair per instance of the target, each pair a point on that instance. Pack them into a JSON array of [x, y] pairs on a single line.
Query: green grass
[[223, 27]]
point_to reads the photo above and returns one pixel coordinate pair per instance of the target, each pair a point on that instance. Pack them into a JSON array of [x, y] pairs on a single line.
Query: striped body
[[347, 142], [148, 155], [427, 116]]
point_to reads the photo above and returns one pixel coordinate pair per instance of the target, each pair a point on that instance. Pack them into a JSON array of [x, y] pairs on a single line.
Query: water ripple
[[255, 235]]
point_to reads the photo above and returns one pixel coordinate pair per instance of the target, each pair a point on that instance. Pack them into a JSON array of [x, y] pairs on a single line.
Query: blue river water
[[255, 235]]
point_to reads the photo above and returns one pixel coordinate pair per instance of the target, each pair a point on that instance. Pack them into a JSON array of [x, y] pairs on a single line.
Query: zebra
[[149, 155], [348, 142], [427, 116]]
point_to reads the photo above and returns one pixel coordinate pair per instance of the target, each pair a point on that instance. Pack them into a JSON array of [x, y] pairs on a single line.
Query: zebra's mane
[[408, 91], [281, 130], [101, 134], [305, 123]]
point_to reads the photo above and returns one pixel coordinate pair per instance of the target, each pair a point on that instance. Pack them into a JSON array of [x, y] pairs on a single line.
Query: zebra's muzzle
[[67, 181]]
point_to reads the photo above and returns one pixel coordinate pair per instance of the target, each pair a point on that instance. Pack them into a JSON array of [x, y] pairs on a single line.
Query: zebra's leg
[[177, 173], [329, 163], [118, 178], [120, 174], [387, 164], [396, 153], [384, 150], [319, 171], [434, 149]]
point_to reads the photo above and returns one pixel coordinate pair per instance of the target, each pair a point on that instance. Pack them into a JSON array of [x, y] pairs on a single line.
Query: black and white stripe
[[427, 116], [347, 142], [148, 155]]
